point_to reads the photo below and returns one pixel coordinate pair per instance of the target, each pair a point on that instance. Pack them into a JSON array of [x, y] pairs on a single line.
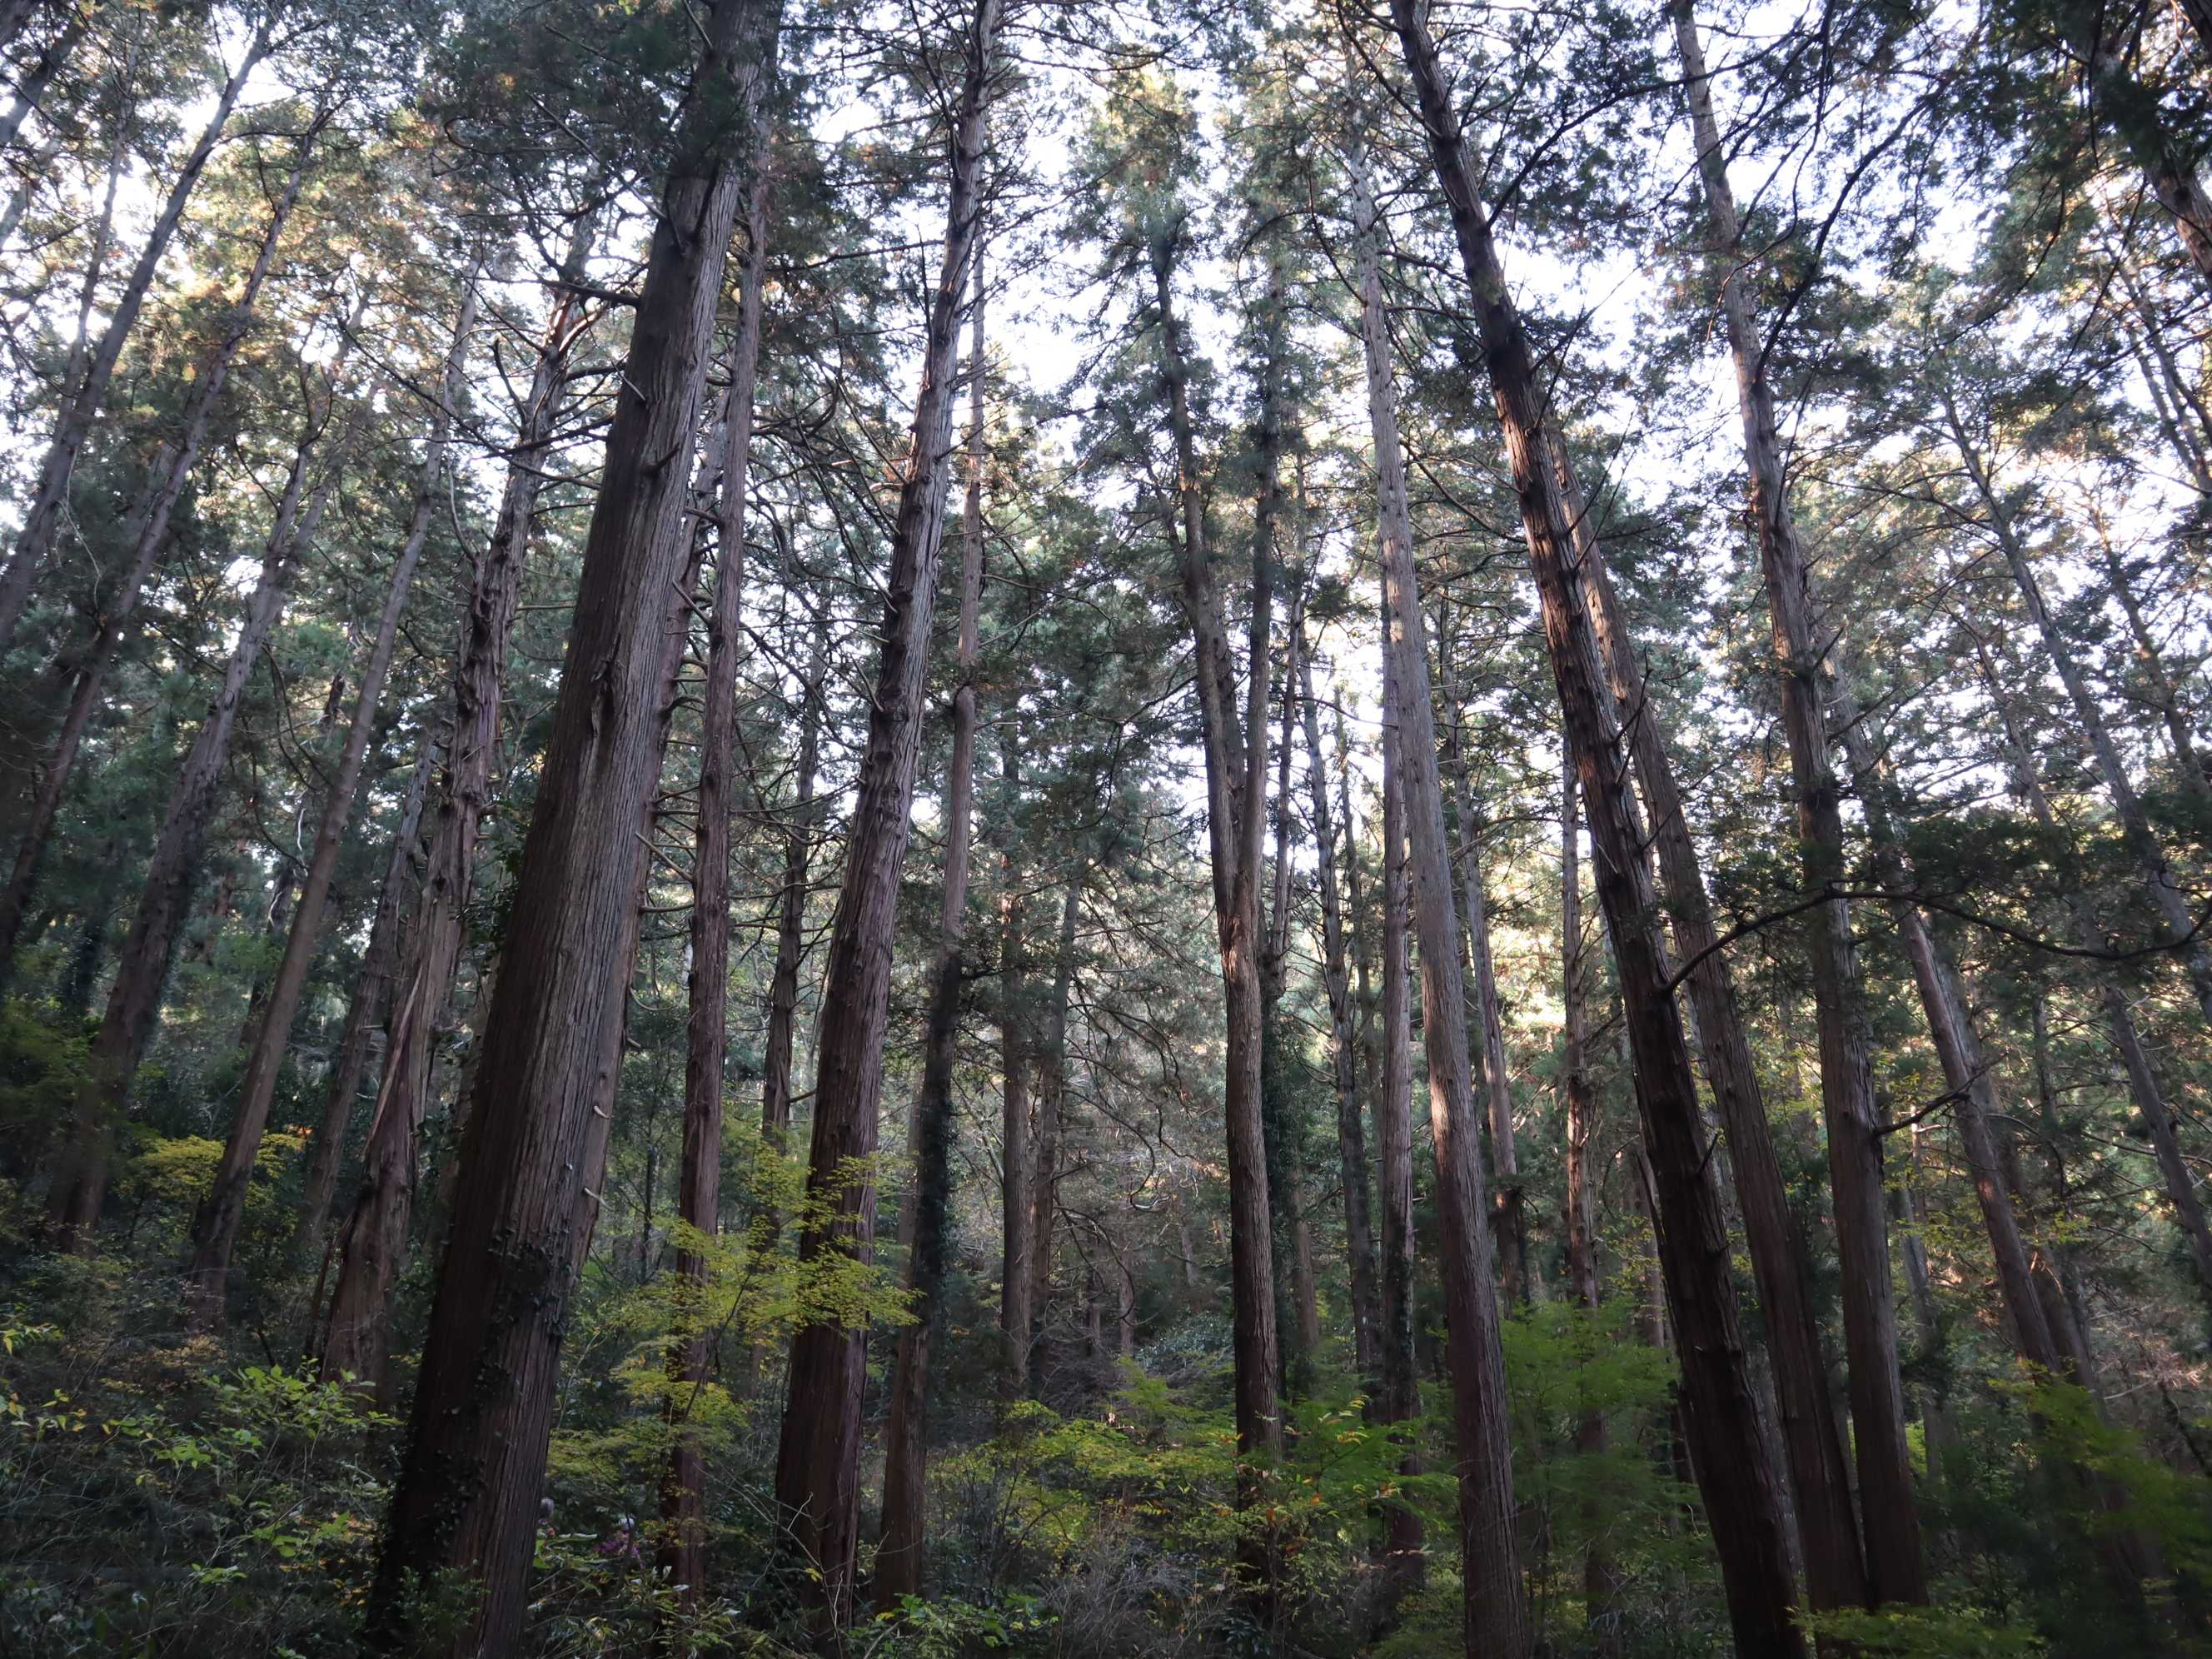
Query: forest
[[915, 829]]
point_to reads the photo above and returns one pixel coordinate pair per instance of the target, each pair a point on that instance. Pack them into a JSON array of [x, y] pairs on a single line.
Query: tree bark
[[901, 1556], [170, 471], [1016, 1159], [1051, 1116], [223, 1212], [1740, 1500], [373, 1244], [1895, 1569], [372, 989], [80, 1185], [1496, 1619], [466, 1500], [42, 519], [1350, 1131], [791, 904], [1236, 749], [818, 1461], [1398, 1399], [683, 1550]]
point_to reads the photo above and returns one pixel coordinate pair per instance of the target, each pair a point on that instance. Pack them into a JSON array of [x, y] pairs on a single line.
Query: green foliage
[[1921, 1633]]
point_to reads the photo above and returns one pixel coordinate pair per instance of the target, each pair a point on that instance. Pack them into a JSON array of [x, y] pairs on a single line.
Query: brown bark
[[1895, 1571], [1397, 1396], [1236, 750], [1517, 1282], [466, 1501], [373, 1242], [80, 1185], [791, 904], [1496, 1619], [1016, 1159], [683, 1550], [818, 1461], [901, 1555], [89, 391], [1741, 1503], [173, 467], [1350, 1131], [223, 1213], [1050, 1117], [371, 988]]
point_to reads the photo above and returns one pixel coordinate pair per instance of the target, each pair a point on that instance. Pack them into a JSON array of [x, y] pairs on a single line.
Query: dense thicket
[[753, 752]]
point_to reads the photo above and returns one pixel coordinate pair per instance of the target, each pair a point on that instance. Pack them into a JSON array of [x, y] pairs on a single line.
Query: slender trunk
[[683, 1551], [1051, 1116], [1496, 1618], [42, 518], [1350, 1131], [1017, 1160], [1895, 1571], [901, 1556], [143, 968], [1398, 1398], [1937, 1426], [1600, 1586], [371, 988], [32, 85], [1236, 749], [466, 1504], [818, 1461], [373, 1244], [223, 1213], [2164, 696], [1742, 1502], [1517, 1282], [791, 904]]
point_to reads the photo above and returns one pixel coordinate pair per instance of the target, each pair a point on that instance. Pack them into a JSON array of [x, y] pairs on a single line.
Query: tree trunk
[[373, 1244], [152, 540], [1398, 1399], [74, 1200], [1236, 785], [1016, 1159], [32, 84], [1351, 1132], [1741, 1503], [1895, 1571], [1051, 1116], [42, 518], [1600, 1587], [371, 988], [2165, 697], [1517, 1283], [223, 1212], [1496, 1619], [901, 1556], [466, 1501], [683, 1550], [791, 904], [818, 1461]]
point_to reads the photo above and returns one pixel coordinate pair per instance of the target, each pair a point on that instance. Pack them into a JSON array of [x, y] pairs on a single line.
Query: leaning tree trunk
[[683, 1550], [1496, 1619], [1729, 1454], [1236, 750], [1895, 1571], [1351, 1132], [73, 1202], [371, 988], [817, 1477], [466, 1504], [223, 1213], [35, 544], [152, 540], [900, 1555], [373, 1244]]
